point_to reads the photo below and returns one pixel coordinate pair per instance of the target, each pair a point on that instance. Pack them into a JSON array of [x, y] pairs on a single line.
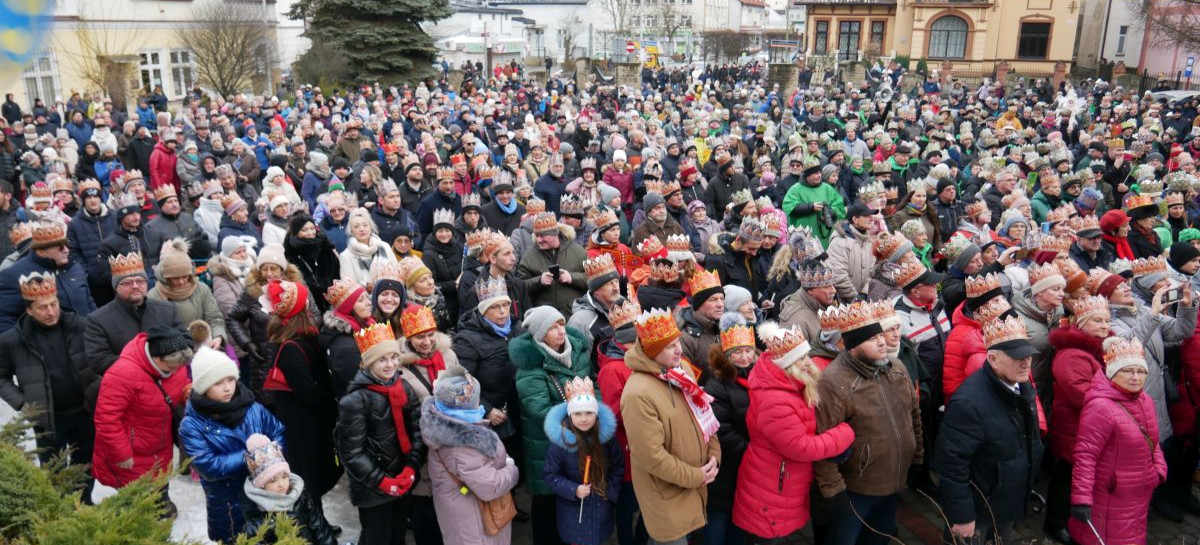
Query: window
[[651, 21], [152, 70], [685, 21], [948, 38], [41, 81], [848, 34], [877, 31], [821, 38], [1122, 33], [182, 72], [1034, 41], [635, 21]]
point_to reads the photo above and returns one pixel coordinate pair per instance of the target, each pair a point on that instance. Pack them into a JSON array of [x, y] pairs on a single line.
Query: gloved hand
[[1083, 513], [254, 353], [398, 485], [841, 458], [840, 503]]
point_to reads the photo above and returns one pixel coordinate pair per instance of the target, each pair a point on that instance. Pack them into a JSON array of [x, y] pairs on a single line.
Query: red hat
[[1113, 220], [687, 171], [286, 299], [432, 159]]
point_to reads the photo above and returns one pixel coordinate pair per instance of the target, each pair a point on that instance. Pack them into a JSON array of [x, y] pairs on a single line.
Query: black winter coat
[[314, 529], [113, 325], [22, 362], [735, 267], [308, 412], [85, 238], [485, 355], [121, 242], [73, 292], [318, 263], [731, 401], [498, 220], [468, 298], [446, 263], [989, 439], [337, 339], [367, 439]]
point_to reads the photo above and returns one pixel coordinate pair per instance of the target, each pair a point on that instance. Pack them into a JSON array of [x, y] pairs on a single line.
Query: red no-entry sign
[[629, 47]]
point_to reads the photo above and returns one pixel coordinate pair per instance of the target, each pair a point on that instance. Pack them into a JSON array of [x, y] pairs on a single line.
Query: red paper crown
[[703, 280], [417, 319], [997, 331], [368, 337], [340, 290], [736, 336], [992, 310], [622, 313], [651, 247], [544, 221], [981, 284], [38, 286], [656, 325], [599, 266]]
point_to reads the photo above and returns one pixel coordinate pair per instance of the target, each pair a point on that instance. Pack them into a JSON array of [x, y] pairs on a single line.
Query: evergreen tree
[[382, 40]]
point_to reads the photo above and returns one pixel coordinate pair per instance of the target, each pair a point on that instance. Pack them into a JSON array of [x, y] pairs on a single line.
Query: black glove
[[1083, 513], [845, 455], [253, 352], [840, 503]]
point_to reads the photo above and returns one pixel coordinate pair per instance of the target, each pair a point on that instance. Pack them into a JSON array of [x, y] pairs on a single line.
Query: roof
[[754, 3], [519, 3], [476, 6]]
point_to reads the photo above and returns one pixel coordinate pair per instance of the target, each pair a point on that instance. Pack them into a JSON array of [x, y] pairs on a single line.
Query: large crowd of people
[[698, 310]]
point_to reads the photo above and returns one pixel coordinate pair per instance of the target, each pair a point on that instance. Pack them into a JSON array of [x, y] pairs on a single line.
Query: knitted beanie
[[456, 388], [174, 261], [164, 340], [210, 367], [272, 254], [264, 459], [539, 320], [735, 297]]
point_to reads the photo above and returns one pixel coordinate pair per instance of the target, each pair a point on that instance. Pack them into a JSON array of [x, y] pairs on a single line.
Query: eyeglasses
[[1133, 372]]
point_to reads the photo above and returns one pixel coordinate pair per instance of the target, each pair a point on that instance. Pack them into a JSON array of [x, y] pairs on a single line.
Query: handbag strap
[[275, 364], [1150, 443]]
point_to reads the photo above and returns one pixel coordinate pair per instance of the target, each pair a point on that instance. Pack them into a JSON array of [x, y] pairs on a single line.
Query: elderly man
[[135, 431], [113, 325], [659, 221], [48, 254], [43, 366], [1002, 186], [989, 446], [553, 268]]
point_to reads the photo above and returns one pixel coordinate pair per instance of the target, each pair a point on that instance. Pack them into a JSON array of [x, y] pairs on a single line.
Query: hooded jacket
[[162, 167], [1077, 358], [851, 260], [563, 474]]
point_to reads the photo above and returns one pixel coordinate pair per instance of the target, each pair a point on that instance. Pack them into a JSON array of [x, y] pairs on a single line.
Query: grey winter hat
[[735, 297], [456, 388], [539, 320]]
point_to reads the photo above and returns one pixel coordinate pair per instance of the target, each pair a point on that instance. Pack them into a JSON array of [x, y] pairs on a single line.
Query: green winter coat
[[540, 380], [570, 258], [1042, 204], [797, 204]]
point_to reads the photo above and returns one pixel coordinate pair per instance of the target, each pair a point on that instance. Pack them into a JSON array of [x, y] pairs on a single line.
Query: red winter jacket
[[611, 380], [1183, 413], [1115, 470], [622, 181], [776, 472], [162, 167], [1077, 358], [133, 419], [965, 352]]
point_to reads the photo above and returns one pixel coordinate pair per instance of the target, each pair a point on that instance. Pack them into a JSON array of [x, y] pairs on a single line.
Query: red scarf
[[397, 399], [433, 364], [1124, 250], [698, 401]]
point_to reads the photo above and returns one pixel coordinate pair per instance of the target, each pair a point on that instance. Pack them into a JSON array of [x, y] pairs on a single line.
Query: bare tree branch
[[229, 44], [97, 62], [1169, 22], [620, 11], [671, 21]]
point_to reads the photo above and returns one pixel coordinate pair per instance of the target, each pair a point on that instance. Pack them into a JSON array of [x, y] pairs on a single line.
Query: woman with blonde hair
[[364, 251]]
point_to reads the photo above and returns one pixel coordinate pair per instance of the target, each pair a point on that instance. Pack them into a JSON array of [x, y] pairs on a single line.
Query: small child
[[273, 488], [221, 414], [581, 438]]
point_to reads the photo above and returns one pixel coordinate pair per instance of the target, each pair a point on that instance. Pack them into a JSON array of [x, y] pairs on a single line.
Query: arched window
[[948, 38]]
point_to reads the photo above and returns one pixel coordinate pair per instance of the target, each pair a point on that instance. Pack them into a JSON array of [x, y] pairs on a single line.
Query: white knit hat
[[273, 254], [210, 367]]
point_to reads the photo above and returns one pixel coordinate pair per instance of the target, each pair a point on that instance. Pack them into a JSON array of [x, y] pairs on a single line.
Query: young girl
[[271, 488], [221, 414], [581, 439]]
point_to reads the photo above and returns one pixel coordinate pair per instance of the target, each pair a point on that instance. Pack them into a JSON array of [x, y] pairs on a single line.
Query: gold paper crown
[[599, 266], [62, 183], [445, 173], [650, 246], [476, 238], [1062, 213], [491, 288], [340, 290], [493, 243], [998, 331], [871, 192], [579, 388], [1115, 143], [1151, 186], [888, 244], [991, 310], [417, 319], [368, 337], [771, 223], [1059, 245], [1138, 201], [443, 216], [736, 336], [228, 200], [981, 284], [1092, 304], [907, 271], [488, 173], [664, 272], [470, 199], [544, 221], [847, 318], [1085, 223], [679, 244], [1149, 265], [656, 325], [623, 312], [741, 197], [892, 194], [605, 218], [1180, 181], [1037, 273], [882, 309], [49, 233], [1174, 199], [1013, 200], [703, 280], [976, 207], [1121, 349], [20, 232], [164, 191], [387, 271], [412, 268], [37, 286], [571, 205], [653, 186], [132, 176], [126, 264], [780, 341], [816, 275], [670, 188]]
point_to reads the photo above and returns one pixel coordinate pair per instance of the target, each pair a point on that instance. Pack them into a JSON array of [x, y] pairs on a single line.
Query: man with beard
[[113, 325], [85, 238], [551, 185], [416, 184], [553, 251], [48, 254], [589, 313], [658, 220]]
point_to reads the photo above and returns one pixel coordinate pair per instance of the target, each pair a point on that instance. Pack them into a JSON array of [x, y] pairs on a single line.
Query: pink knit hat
[[264, 459]]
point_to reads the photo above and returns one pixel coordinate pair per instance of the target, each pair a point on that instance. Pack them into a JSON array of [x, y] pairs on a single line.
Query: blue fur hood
[[558, 435]]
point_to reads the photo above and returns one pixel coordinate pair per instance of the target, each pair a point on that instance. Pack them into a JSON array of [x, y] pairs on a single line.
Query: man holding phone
[[553, 269]]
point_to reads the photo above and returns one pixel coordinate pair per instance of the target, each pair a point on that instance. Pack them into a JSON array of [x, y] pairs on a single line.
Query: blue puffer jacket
[[72, 283], [235, 229], [84, 236], [216, 453], [563, 475]]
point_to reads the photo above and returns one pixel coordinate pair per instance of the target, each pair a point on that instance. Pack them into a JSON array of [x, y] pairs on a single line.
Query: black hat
[[859, 209], [339, 162], [1181, 253], [815, 169], [855, 337], [164, 340], [1016, 349], [657, 297], [928, 278], [1098, 146], [1143, 212], [944, 183], [369, 155]]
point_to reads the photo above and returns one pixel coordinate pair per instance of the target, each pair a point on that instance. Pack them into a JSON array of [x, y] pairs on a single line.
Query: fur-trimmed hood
[[441, 431], [255, 281], [1062, 338], [221, 266], [337, 323], [719, 242], [442, 343], [557, 433]]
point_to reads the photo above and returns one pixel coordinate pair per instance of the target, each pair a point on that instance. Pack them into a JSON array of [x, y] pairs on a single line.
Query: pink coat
[[622, 181], [776, 472], [1077, 358], [1115, 469]]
